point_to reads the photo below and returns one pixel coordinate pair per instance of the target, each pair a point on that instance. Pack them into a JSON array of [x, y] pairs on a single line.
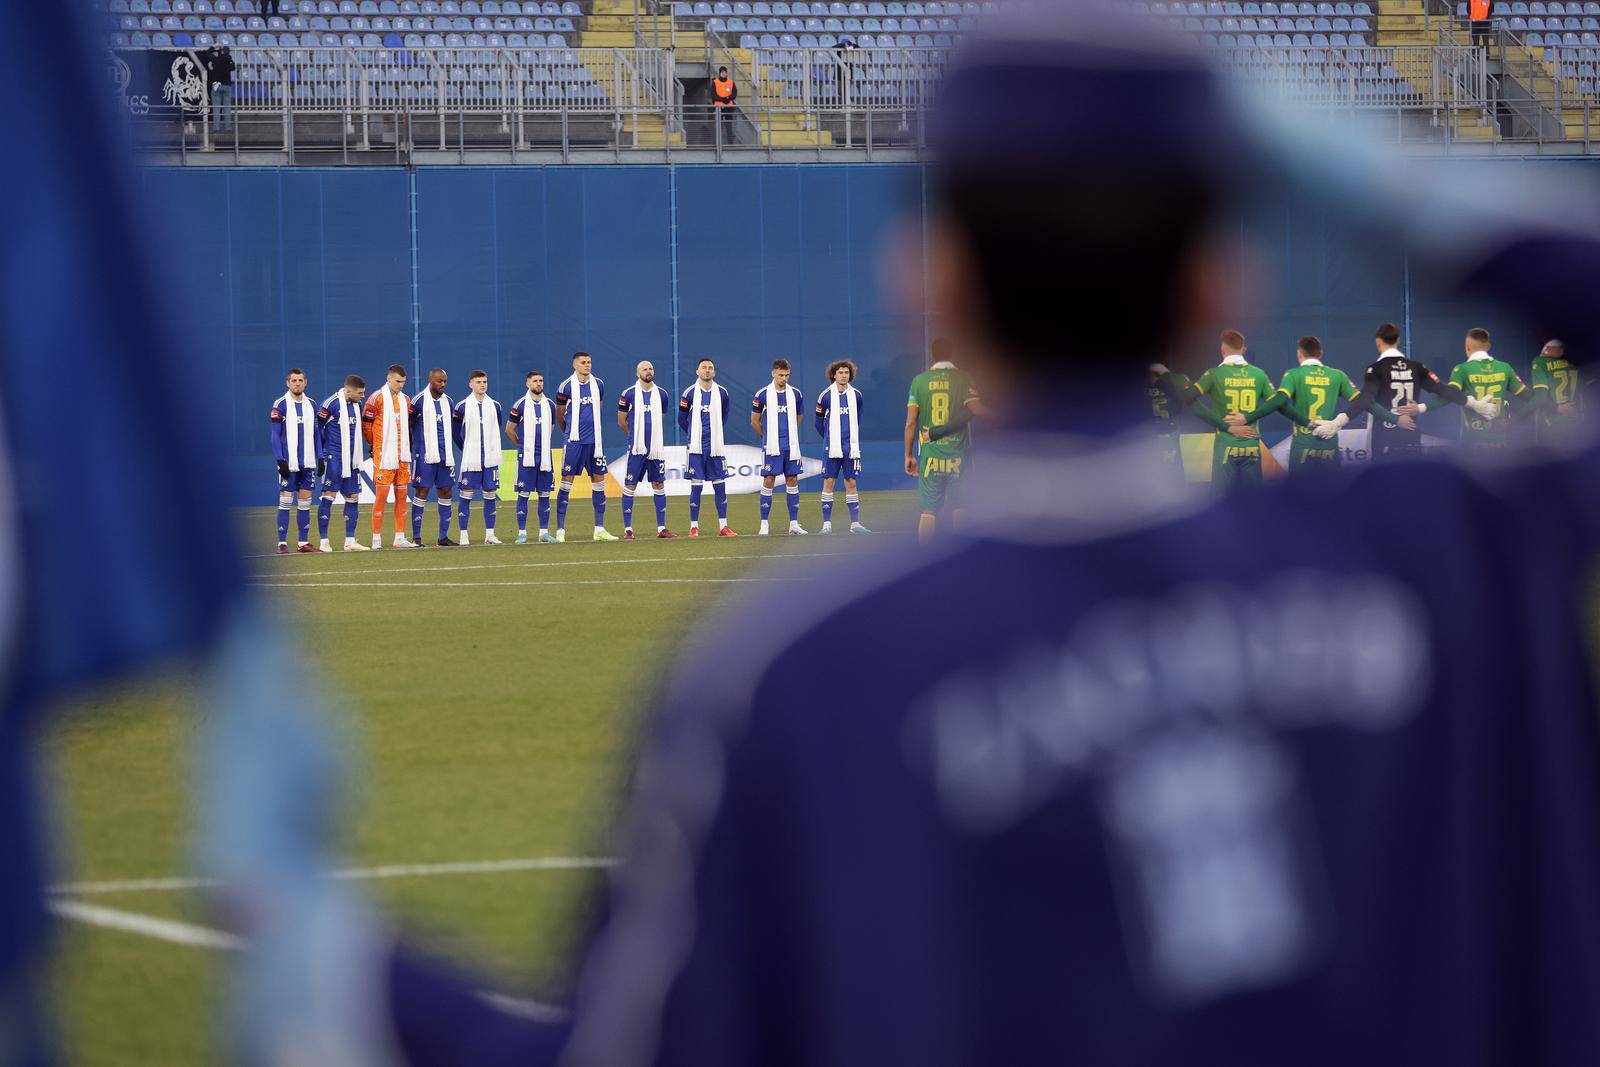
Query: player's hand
[[1569, 410], [1409, 410], [1483, 407], [1406, 422], [1325, 429], [911, 466], [1235, 419], [1246, 431], [283, 468]]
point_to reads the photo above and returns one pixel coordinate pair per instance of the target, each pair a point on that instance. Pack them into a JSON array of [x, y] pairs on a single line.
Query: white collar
[[1235, 360], [1312, 363], [1479, 355], [638, 383], [1391, 353], [479, 399], [1158, 369], [707, 388], [943, 364], [292, 398]]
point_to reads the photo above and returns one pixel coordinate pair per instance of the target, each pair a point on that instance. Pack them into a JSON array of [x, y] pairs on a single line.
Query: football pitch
[[495, 694]]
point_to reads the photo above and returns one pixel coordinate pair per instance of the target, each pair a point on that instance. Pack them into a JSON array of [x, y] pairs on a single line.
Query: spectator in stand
[[845, 58], [269, 8], [724, 95], [219, 73], [1481, 14]]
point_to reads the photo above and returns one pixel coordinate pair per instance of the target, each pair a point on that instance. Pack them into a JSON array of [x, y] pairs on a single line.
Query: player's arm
[[280, 440], [458, 425], [369, 420], [912, 412], [1277, 403], [513, 420], [561, 412], [1454, 394], [684, 409], [757, 406], [624, 407], [822, 416]]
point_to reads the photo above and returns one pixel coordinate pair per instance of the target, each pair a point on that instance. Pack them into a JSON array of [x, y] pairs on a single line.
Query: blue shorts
[[780, 467], [645, 469], [848, 469], [349, 488], [706, 469], [487, 481], [433, 476], [304, 480], [533, 480], [582, 458]]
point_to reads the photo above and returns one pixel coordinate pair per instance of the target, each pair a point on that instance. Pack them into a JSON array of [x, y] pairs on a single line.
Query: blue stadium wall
[[513, 269]]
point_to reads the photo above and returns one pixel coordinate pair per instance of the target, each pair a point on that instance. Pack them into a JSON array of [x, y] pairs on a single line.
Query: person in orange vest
[[1481, 15], [724, 94]]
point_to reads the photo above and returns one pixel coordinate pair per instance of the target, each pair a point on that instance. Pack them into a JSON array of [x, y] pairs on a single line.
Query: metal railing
[[442, 100]]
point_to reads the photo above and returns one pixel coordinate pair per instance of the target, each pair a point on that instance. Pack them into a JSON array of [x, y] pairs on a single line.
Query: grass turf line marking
[[348, 572], [390, 584], [191, 935], [392, 870], [168, 930]]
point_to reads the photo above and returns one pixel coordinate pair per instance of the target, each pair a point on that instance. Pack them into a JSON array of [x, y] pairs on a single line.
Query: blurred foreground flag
[[115, 549]]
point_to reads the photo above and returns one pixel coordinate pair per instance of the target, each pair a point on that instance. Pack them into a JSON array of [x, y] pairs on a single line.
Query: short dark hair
[[580, 355], [781, 364], [705, 359], [534, 374], [292, 372], [722, 70], [1479, 335], [1311, 346], [1126, 234], [833, 368], [477, 374], [1233, 339], [1388, 333], [395, 368], [355, 381], [943, 350]]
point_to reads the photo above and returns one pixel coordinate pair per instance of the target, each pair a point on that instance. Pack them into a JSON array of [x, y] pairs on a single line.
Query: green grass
[[479, 741]]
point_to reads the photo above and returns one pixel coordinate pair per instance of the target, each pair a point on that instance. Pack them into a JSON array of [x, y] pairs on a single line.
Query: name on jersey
[[938, 386]]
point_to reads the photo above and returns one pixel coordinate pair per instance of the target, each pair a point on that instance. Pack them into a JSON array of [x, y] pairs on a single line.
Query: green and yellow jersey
[[1312, 392], [939, 394], [1560, 377], [1234, 388], [1486, 378]]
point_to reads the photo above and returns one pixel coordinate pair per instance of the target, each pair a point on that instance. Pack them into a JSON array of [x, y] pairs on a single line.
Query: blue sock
[[283, 525], [627, 508], [766, 504], [444, 519], [827, 508], [418, 506], [303, 521], [661, 509], [522, 513], [720, 491], [544, 512], [324, 516], [463, 511], [600, 506], [694, 502], [491, 507], [855, 507], [352, 513], [794, 504], [561, 505]]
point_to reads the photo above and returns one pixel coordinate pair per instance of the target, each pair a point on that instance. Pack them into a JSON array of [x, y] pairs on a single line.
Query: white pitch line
[[169, 930], [348, 572], [391, 584], [191, 935], [393, 870]]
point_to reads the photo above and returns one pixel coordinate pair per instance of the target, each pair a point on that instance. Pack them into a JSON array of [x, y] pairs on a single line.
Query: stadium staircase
[[1526, 77], [613, 24]]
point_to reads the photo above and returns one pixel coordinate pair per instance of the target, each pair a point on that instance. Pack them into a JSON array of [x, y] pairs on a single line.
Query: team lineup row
[[1240, 394], [428, 443]]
